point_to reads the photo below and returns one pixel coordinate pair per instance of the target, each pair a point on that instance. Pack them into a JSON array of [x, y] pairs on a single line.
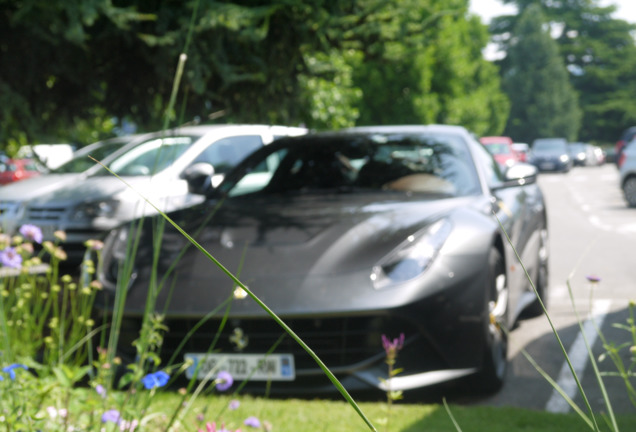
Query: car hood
[[103, 187], [41, 186], [300, 254]]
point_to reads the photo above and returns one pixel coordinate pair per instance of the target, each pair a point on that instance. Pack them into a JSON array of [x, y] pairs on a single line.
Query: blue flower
[[156, 379], [11, 369], [224, 381], [252, 421], [31, 232], [111, 416], [10, 258]]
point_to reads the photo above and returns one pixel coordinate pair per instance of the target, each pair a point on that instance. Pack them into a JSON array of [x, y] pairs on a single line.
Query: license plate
[[253, 367], [547, 166]]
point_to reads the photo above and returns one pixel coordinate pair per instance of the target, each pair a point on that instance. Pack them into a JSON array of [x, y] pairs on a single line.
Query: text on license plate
[[254, 367]]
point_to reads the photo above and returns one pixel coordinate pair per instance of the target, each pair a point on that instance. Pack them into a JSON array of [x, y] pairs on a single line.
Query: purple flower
[[252, 421], [234, 404], [31, 232], [224, 381], [9, 257], [100, 390], [156, 379], [593, 278], [392, 347], [11, 369], [112, 416]]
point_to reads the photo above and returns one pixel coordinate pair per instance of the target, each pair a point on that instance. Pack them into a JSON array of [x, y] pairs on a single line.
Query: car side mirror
[[199, 178], [520, 174]]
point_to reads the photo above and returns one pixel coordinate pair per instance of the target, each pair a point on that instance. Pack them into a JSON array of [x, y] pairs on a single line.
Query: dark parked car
[[347, 237], [582, 154], [551, 154]]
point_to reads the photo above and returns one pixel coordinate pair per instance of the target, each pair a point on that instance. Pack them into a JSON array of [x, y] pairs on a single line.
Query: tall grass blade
[[255, 298]]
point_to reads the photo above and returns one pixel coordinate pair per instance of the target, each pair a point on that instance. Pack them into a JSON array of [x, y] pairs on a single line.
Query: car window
[[81, 160], [390, 163], [228, 152], [492, 170], [150, 157]]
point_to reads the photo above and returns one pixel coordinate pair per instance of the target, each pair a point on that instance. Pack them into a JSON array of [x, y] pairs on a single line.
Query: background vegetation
[[81, 70]]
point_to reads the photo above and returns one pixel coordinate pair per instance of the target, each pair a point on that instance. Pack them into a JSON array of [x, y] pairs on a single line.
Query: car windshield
[[81, 160], [150, 157], [549, 146], [358, 163]]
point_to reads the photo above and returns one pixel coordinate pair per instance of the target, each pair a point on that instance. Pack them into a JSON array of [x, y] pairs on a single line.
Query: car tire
[[540, 278], [629, 191], [491, 375]]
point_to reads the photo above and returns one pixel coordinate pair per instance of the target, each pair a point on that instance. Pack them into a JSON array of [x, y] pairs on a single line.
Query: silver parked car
[[167, 168], [14, 196], [627, 170]]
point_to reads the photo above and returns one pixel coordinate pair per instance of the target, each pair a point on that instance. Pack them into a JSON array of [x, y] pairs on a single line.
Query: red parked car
[[12, 170], [501, 148]]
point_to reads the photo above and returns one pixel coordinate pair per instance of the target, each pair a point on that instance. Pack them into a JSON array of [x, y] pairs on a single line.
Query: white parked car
[[14, 196], [627, 170], [169, 168]]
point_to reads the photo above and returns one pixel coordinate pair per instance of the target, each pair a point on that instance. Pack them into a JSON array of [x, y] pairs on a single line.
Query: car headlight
[[564, 158], [95, 209], [411, 258]]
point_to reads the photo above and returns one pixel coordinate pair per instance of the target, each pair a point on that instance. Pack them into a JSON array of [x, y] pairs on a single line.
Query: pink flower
[[392, 347]]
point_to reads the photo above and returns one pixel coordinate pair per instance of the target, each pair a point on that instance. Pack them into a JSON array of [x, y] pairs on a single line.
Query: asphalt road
[[592, 233]]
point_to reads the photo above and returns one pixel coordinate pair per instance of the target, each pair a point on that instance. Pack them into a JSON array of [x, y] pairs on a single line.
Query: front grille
[[45, 214], [339, 342]]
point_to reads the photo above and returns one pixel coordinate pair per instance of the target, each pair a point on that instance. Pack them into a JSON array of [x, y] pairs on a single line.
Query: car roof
[[205, 129], [439, 128]]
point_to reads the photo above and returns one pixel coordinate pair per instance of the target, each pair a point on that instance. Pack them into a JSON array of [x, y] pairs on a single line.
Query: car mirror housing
[[199, 178], [520, 174]]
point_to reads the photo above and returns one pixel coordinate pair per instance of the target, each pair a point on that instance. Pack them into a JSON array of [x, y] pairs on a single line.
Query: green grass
[[296, 415]]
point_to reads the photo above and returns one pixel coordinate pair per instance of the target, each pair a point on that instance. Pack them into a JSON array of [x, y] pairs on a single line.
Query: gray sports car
[[347, 236]]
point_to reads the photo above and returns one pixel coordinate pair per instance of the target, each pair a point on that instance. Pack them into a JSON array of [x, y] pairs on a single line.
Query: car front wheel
[[491, 375], [629, 190]]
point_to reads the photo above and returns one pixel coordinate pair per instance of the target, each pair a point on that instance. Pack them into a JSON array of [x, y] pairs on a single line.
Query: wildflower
[[224, 381], [392, 347], [60, 235], [95, 245], [234, 404], [9, 257], [11, 369], [156, 379], [211, 427], [54, 412], [252, 422], [112, 416], [100, 390], [128, 426], [593, 278], [26, 248], [31, 232]]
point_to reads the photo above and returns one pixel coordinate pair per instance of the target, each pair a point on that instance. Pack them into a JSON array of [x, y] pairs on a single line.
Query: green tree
[[543, 102], [433, 74], [93, 63], [600, 54]]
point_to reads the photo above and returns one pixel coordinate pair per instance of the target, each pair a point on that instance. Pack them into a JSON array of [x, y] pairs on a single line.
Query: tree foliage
[[600, 55], [544, 103], [92, 64]]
